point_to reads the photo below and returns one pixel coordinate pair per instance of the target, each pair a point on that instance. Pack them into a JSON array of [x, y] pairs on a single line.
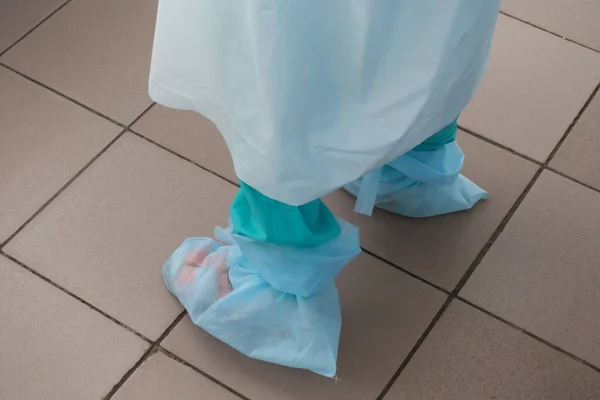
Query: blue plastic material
[[273, 303], [418, 184]]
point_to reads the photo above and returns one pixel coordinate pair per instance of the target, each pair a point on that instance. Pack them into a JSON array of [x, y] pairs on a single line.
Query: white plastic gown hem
[[311, 95], [273, 303]]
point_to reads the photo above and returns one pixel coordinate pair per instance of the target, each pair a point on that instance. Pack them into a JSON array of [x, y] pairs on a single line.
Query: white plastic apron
[[312, 94]]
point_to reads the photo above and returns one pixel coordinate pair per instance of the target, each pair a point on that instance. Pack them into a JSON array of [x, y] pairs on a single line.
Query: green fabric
[[444, 136], [264, 219]]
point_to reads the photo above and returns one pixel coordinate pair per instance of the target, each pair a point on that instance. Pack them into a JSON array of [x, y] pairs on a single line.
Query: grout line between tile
[[184, 158], [64, 96], [147, 354], [498, 145], [62, 188], [488, 245], [407, 272], [415, 348], [61, 288], [154, 348], [549, 31], [146, 110], [170, 328], [35, 27], [198, 370], [572, 125], [557, 172], [531, 335], [526, 158]]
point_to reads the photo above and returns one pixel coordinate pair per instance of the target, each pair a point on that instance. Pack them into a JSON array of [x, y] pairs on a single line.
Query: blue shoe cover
[[418, 184], [274, 303]]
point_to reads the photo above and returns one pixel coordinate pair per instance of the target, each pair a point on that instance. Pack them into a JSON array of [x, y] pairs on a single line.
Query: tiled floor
[[98, 186]]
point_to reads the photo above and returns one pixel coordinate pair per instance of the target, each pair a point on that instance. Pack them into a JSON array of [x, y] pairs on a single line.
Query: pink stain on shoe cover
[[187, 272], [205, 258]]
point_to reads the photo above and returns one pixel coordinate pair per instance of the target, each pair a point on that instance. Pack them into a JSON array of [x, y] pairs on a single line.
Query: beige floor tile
[[384, 312], [17, 17], [542, 273], [189, 134], [106, 237], [536, 85], [579, 154], [161, 378], [53, 346], [574, 19], [97, 52], [471, 356], [37, 130], [441, 249]]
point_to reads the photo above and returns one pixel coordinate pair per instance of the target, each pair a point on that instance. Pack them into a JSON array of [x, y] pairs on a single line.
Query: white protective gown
[[313, 94]]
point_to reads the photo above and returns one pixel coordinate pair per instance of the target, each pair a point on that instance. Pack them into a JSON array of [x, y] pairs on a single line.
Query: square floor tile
[[97, 52], [190, 135], [384, 313], [17, 17], [44, 141], [471, 356], [536, 86], [542, 272], [441, 249], [574, 19], [579, 154], [161, 378], [55, 347], [106, 237]]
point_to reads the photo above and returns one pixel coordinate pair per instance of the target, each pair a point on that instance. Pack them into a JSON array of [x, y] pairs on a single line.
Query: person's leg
[[423, 182], [266, 287], [266, 220], [444, 136]]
